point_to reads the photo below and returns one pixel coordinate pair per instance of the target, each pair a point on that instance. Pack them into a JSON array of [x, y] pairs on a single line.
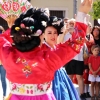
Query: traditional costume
[[62, 86], [30, 69]]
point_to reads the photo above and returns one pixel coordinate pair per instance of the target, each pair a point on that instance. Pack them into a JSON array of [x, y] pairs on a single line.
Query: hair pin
[[29, 36], [17, 28], [56, 23], [27, 27], [44, 23], [55, 19], [22, 25], [38, 32], [23, 35], [31, 27]]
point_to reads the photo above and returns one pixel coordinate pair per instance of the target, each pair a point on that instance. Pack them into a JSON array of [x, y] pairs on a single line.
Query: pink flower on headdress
[[39, 32], [22, 25]]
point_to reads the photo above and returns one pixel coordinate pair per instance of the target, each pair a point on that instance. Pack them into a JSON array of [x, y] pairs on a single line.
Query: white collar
[[49, 45]]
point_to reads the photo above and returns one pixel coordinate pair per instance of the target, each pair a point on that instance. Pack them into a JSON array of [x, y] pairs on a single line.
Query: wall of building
[[59, 5], [66, 5]]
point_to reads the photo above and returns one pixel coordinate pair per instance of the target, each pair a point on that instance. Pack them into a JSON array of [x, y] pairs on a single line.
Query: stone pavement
[[8, 90]]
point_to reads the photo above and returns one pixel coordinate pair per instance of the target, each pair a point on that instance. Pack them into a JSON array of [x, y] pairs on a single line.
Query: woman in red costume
[[61, 81]]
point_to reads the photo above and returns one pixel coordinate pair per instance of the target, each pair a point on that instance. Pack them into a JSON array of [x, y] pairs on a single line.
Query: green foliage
[[96, 10]]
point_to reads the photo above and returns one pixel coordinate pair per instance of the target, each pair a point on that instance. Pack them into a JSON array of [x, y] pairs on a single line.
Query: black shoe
[[88, 95], [82, 96], [85, 95]]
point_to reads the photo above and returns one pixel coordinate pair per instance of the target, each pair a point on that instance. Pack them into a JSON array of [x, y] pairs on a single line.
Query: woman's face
[[96, 32], [51, 35]]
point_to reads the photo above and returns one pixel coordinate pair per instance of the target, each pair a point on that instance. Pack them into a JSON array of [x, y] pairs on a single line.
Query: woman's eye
[[55, 33], [49, 33]]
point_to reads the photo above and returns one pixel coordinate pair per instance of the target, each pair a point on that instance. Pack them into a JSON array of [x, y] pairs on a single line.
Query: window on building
[[96, 23], [60, 14]]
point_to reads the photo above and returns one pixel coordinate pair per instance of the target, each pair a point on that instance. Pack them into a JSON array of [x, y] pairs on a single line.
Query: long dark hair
[[96, 27]]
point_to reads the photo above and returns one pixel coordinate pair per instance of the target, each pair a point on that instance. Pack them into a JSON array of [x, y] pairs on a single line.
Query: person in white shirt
[[75, 66]]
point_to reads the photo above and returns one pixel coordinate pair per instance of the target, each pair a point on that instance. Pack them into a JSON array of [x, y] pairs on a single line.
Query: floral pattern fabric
[[30, 89]]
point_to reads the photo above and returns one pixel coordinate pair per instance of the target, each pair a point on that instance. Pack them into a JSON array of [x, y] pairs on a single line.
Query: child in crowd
[[89, 40], [94, 73]]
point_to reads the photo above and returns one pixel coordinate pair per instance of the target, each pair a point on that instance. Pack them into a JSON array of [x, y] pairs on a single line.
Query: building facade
[[60, 8]]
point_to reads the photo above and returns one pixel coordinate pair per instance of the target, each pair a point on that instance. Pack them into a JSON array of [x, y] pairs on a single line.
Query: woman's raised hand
[[86, 6]]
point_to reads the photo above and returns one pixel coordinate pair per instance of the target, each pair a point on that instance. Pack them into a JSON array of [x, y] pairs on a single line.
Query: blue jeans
[[3, 79]]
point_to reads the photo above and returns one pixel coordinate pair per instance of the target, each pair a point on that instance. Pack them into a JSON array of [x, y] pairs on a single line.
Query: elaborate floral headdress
[[11, 9]]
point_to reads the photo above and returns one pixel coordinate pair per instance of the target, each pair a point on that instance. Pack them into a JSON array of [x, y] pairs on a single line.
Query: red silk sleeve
[[6, 35], [65, 52]]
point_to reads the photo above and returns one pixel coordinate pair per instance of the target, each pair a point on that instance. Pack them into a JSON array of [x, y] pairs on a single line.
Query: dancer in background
[[63, 88]]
